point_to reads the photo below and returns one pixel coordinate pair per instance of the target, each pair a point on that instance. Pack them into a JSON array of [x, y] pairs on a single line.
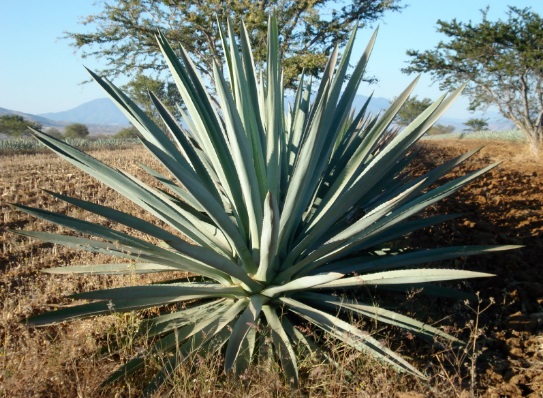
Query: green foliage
[[138, 90], [476, 124], [411, 109], [54, 132], [501, 60], [76, 130], [288, 214], [439, 129], [122, 33], [28, 145], [20, 145], [16, 126], [127, 133]]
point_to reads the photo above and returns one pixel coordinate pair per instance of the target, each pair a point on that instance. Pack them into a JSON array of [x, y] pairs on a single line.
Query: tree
[[54, 132], [123, 32], [502, 63], [476, 124], [412, 108], [126, 133], [138, 90], [17, 126], [76, 130], [438, 129]]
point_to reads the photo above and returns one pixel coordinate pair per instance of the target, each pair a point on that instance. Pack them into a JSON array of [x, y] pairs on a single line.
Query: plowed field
[[505, 206]]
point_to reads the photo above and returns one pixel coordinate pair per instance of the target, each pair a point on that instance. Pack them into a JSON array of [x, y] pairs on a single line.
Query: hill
[[35, 118], [103, 117], [100, 111]]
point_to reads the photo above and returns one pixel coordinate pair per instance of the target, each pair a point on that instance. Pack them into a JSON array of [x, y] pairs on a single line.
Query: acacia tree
[[123, 32], [76, 130], [138, 90], [476, 124], [439, 129], [54, 132], [501, 61], [16, 125], [412, 108], [126, 133]]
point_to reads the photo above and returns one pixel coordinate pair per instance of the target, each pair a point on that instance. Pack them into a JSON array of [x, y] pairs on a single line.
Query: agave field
[[507, 135], [29, 145]]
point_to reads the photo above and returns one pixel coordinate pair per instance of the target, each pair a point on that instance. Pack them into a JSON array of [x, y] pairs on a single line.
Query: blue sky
[[40, 72]]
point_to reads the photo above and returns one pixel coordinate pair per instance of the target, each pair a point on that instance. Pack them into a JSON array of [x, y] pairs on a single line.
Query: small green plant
[[282, 211]]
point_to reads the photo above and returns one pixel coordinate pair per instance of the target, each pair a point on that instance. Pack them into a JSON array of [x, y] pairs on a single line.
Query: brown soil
[[505, 206]]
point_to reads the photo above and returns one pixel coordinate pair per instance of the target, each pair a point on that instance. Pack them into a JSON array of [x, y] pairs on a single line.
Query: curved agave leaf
[[281, 341], [305, 282], [362, 265], [111, 269], [269, 240], [98, 308], [246, 322], [404, 277], [379, 314], [184, 291], [349, 334], [190, 315]]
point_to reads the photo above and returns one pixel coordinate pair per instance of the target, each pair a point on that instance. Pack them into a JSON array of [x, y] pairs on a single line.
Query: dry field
[[504, 356]]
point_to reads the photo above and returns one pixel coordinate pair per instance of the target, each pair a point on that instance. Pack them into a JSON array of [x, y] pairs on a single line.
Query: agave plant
[[282, 209]]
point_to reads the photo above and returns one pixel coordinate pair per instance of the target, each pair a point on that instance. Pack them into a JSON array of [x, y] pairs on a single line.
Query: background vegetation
[[501, 60], [123, 33]]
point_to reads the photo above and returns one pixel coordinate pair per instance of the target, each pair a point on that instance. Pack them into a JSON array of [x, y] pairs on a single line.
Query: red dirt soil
[[504, 206]]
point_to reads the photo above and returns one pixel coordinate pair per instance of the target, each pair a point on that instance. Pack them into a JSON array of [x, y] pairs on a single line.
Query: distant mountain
[[42, 120], [376, 105], [101, 111], [103, 117], [105, 122]]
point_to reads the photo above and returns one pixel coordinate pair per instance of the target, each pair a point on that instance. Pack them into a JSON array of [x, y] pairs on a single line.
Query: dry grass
[[72, 359]]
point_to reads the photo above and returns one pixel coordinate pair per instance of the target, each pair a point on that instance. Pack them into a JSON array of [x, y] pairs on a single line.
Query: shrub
[[126, 133], [54, 132], [440, 129], [284, 211], [16, 126], [76, 130]]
